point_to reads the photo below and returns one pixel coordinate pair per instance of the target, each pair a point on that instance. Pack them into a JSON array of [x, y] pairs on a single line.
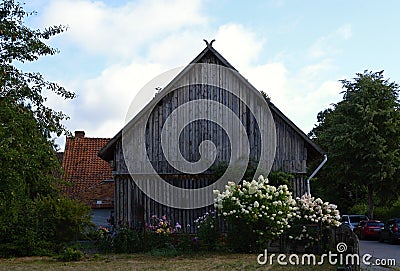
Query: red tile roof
[[86, 172]]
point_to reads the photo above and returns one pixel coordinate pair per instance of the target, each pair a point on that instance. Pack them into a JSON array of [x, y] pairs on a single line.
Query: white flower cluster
[[312, 210], [267, 207]]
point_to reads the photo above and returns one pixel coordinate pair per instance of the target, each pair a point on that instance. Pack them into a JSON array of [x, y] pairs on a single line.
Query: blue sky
[[296, 51]]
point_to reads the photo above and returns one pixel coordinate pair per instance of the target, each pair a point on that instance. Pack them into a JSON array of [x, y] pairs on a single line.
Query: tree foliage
[[361, 135], [34, 217], [29, 164], [18, 43]]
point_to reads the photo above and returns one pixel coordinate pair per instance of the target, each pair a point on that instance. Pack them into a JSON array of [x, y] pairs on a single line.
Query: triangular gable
[[216, 58]]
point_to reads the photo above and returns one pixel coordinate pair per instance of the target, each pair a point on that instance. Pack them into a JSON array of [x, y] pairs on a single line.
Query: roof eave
[[294, 127], [106, 153]]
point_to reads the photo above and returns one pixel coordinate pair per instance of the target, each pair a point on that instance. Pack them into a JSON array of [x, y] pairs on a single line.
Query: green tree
[[32, 209], [361, 135], [18, 43]]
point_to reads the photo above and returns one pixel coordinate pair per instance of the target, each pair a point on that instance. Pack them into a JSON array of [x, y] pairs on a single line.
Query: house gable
[[209, 55], [135, 207]]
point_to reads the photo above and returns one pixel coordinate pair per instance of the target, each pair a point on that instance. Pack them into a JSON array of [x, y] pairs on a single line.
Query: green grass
[[149, 261]]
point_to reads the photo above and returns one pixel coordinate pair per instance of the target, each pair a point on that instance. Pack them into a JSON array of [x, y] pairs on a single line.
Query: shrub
[[187, 243], [385, 213], [103, 239], [159, 233], [62, 219], [257, 209], [207, 230], [310, 210], [71, 254], [41, 226], [305, 236], [162, 226], [382, 213], [242, 238], [127, 241], [120, 240], [312, 216]]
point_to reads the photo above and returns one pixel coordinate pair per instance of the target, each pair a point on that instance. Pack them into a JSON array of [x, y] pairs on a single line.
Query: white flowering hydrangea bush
[[314, 211], [257, 207], [312, 217]]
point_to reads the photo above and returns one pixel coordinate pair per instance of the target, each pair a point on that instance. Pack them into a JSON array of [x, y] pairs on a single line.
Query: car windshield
[[357, 219], [375, 224]]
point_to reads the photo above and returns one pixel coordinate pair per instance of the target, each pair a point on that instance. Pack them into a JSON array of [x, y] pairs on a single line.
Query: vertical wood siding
[[134, 208]]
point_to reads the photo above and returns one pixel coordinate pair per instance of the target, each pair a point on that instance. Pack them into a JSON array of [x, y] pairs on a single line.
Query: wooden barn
[[209, 79]]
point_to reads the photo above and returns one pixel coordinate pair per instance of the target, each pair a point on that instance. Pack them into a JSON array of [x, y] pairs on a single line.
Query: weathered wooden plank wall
[[291, 151], [133, 207]]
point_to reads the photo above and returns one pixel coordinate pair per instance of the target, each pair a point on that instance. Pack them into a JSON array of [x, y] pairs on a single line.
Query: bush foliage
[[42, 226], [257, 208], [207, 230], [259, 213]]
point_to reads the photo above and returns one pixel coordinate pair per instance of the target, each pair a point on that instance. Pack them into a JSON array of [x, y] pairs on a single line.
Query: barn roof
[[106, 153], [87, 174]]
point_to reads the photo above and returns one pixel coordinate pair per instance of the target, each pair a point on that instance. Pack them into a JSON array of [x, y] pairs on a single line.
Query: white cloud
[[139, 40], [310, 74], [240, 46], [345, 32], [120, 32], [328, 45], [270, 78], [143, 39], [301, 93], [317, 100], [178, 48], [105, 100]]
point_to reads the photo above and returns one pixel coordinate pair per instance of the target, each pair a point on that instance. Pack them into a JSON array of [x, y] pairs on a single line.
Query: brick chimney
[[79, 134]]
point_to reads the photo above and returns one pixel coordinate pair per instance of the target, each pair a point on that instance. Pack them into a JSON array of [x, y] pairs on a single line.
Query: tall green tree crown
[[361, 135]]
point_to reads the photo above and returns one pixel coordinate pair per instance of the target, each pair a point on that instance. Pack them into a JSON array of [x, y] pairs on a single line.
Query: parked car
[[368, 229], [353, 220], [390, 231]]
